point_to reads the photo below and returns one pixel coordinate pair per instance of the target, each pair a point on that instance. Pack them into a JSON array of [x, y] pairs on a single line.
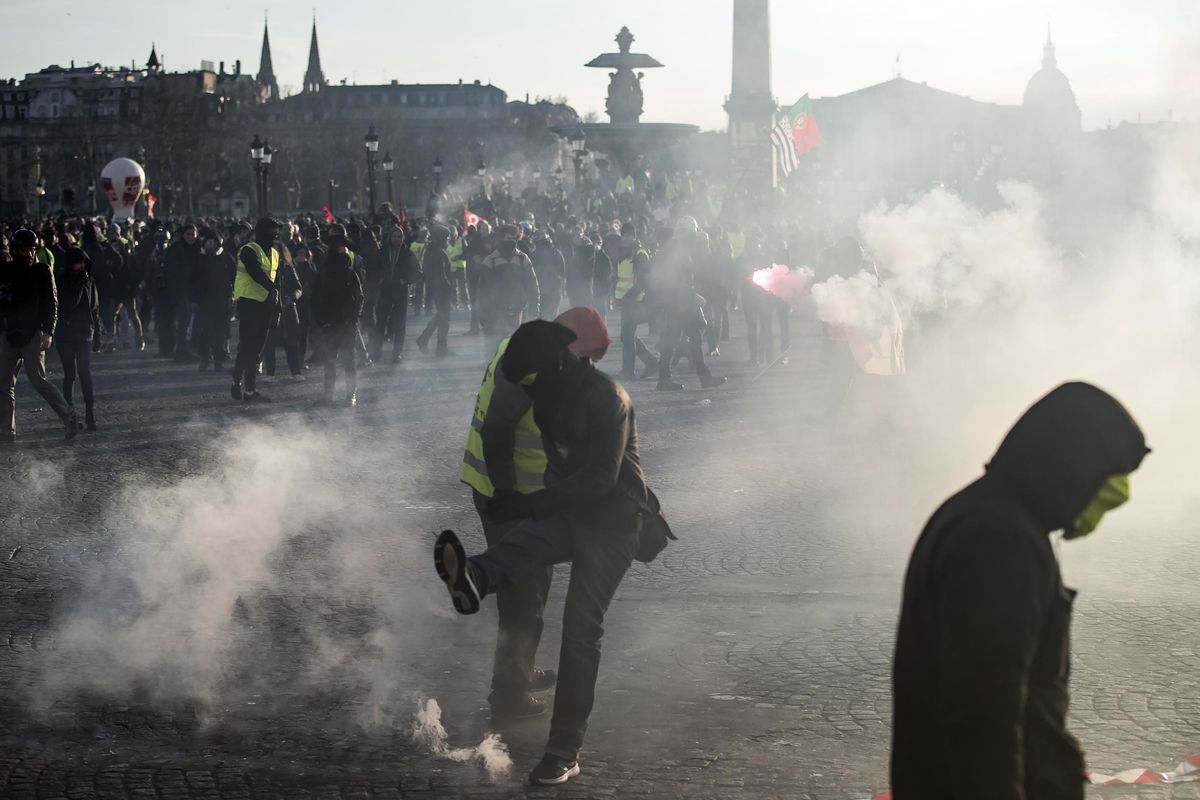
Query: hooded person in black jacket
[[337, 301], [77, 333], [980, 675], [590, 514]]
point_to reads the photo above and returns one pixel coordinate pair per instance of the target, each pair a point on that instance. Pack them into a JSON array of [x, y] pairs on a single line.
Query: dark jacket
[[981, 667], [435, 267], [78, 306], [337, 297], [591, 441], [28, 302], [397, 268], [181, 263], [507, 286]]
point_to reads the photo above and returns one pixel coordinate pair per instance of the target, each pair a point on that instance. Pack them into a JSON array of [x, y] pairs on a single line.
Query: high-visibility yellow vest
[[626, 277], [418, 250], [737, 243], [243, 284], [457, 255], [529, 456], [46, 256]]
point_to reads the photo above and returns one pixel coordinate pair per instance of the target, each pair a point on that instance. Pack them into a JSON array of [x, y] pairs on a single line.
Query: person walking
[[673, 289], [28, 319], [551, 271], [285, 327], [633, 275], [982, 653], [593, 513], [337, 300], [508, 290], [77, 333], [255, 299], [439, 285], [180, 263], [398, 270]]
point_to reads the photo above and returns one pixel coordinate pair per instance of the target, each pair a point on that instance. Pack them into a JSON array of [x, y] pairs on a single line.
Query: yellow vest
[[456, 254], [243, 284], [737, 244], [529, 456], [418, 250], [626, 276]]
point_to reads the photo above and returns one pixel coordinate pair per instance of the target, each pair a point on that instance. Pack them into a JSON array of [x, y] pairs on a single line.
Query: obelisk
[[751, 106]]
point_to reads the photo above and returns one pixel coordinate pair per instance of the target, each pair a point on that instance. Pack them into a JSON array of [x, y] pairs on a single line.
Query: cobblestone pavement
[[751, 661]]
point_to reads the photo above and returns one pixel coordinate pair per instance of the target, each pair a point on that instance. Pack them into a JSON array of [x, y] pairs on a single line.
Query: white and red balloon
[[123, 180]]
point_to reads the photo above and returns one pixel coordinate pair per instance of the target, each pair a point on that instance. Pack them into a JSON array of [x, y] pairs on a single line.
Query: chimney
[[222, 67], [237, 67]]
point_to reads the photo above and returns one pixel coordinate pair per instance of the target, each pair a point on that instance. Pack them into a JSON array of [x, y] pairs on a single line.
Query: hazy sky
[[1117, 53]]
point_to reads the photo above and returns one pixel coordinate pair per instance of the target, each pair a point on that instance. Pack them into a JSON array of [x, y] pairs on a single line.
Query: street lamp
[[256, 155], [438, 166], [332, 185], [266, 184], [371, 140], [579, 145], [92, 195], [388, 166], [39, 185]]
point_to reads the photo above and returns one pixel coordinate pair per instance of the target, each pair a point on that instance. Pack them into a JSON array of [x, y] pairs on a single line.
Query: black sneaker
[[542, 679], [712, 381], [553, 770], [525, 708], [71, 424], [236, 392], [451, 562]]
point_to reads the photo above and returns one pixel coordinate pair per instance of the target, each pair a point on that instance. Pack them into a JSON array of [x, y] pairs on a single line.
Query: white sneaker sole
[[566, 776]]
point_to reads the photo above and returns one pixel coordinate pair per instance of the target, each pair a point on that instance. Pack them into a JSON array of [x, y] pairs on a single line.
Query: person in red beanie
[[584, 501], [504, 453]]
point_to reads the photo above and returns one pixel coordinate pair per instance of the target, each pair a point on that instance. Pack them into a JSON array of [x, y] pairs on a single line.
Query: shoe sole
[[503, 719], [451, 562], [566, 776]]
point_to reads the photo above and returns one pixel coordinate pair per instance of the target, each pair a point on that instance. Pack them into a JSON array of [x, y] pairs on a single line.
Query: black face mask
[[508, 247]]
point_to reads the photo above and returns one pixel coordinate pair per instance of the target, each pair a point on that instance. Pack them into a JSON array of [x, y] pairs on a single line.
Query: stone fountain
[[625, 138]]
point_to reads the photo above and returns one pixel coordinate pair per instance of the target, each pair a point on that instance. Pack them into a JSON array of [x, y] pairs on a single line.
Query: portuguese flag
[[805, 134]]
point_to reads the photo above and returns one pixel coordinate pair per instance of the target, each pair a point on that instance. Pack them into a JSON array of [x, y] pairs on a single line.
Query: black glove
[[508, 506]]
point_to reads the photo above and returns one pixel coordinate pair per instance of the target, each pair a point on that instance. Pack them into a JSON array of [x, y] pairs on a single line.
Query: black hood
[[1063, 449]]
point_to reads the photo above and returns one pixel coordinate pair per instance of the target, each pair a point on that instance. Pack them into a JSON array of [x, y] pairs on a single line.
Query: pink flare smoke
[[787, 284]]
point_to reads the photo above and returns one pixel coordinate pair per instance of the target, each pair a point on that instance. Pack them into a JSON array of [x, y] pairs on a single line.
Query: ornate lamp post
[[579, 147], [266, 183], [438, 166], [371, 140], [256, 155], [92, 196], [332, 185], [388, 166], [558, 180], [481, 171]]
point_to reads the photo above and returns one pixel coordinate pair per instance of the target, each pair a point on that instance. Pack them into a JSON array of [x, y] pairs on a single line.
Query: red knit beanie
[[592, 339]]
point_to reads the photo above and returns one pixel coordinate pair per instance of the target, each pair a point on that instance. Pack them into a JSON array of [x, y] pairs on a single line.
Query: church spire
[[314, 78], [152, 63], [266, 70], [1049, 60]]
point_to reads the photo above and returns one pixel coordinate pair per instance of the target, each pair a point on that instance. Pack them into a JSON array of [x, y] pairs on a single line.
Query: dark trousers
[[254, 320], [174, 317], [440, 322], [164, 324], [286, 333], [34, 360], [682, 323], [600, 548], [338, 344], [391, 319], [718, 312], [76, 360], [209, 332], [472, 292], [521, 606], [632, 346]]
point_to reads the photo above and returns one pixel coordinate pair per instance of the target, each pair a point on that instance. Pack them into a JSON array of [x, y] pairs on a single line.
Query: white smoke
[[429, 732]]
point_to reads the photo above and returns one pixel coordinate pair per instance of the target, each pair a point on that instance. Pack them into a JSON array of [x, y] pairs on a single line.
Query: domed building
[[1050, 101]]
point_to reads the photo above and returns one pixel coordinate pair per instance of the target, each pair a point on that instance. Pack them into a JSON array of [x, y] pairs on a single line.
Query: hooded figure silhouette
[[982, 650]]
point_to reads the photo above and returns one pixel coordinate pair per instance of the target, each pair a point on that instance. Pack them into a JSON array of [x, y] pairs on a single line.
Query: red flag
[[403, 215], [328, 215], [471, 218], [150, 201]]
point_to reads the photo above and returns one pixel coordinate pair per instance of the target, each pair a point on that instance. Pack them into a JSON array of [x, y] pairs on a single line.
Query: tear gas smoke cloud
[[430, 734]]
